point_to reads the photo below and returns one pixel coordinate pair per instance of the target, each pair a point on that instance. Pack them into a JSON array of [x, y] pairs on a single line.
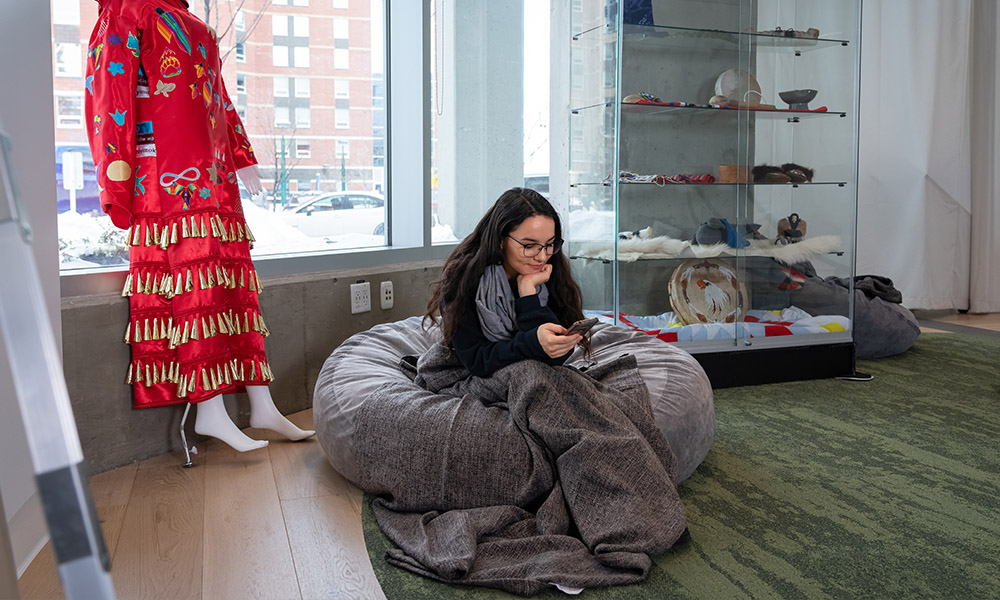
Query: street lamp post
[[284, 173]]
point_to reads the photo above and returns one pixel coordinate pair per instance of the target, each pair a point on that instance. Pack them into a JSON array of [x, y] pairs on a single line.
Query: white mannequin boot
[[212, 420], [265, 415]]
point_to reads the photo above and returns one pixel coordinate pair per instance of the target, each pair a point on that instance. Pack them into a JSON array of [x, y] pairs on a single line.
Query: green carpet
[[829, 489]]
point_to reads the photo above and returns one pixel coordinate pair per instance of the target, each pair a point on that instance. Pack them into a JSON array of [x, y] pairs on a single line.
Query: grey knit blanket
[[596, 499]]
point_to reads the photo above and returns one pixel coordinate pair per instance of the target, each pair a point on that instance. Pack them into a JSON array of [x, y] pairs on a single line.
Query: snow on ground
[[274, 236], [84, 235], [94, 234]]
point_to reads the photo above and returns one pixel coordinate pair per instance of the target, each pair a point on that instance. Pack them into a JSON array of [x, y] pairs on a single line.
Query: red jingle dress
[[166, 143]]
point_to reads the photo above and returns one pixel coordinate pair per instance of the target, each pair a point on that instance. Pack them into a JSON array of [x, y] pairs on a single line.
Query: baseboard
[[28, 532]]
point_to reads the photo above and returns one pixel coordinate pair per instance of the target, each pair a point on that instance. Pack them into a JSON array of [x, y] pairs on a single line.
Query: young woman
[[506, 293]]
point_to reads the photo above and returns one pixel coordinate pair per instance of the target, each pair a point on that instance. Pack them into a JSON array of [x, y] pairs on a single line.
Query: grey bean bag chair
[[680, 395]]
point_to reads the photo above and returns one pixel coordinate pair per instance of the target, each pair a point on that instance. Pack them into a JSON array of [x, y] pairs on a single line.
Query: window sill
[[109, 280]]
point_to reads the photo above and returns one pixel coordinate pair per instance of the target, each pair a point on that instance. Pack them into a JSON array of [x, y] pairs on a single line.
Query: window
[[340, 29], [279, 25], [340, 59], [69, 110], [281, 116], [343, 149], [342, 118], [303, 149], [301, 57], [68, 60], [301, 87], [341, 89], [289, 30], [302, 116], [280, 87], [281, 147], [280, 56]]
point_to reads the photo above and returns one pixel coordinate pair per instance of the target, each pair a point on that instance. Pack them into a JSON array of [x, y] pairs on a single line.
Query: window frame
[[68, 94], [300, 57], [341, 94], [301, 144], [341, 124], [407, 159], [287, 122], [276, 88], [302, 87], [305, 123], [274, 56]]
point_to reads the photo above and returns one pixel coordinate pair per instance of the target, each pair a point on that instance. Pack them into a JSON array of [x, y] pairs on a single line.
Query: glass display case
[[713, 178]]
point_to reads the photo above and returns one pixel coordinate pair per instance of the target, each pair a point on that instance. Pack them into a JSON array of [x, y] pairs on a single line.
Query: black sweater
[[482, 357]]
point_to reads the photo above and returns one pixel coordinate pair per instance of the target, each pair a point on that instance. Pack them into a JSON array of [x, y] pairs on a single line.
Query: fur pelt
[[665, 247]]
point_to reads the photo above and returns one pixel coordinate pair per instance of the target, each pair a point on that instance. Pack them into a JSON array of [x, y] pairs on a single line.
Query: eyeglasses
[[532, 250]]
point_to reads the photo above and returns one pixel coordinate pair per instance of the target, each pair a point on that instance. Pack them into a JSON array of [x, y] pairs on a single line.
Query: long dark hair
[[482, 248]]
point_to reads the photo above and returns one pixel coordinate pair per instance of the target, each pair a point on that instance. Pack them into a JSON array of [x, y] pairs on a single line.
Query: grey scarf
[[495, 304]]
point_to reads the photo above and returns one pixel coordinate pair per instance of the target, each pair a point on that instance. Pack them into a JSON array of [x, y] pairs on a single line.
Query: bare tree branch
[[269, 153], [249, 25]]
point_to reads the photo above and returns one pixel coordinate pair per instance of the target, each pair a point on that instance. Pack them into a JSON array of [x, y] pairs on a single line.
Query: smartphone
[[582, 326]]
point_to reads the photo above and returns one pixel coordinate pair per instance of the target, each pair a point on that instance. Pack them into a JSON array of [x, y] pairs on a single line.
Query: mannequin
[[168, 147], [212, 419]]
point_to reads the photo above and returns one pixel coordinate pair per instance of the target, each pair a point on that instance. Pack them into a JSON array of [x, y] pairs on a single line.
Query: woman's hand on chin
[[526, 284], [554, 343]]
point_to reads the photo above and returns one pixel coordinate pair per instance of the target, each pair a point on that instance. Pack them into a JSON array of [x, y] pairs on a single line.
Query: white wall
[[26, 114]]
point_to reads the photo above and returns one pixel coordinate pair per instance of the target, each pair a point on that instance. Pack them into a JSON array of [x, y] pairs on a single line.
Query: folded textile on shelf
[[661, 247], [632, 177]]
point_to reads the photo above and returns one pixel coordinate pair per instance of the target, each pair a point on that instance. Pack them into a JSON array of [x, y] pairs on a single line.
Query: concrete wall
[[308, 316]]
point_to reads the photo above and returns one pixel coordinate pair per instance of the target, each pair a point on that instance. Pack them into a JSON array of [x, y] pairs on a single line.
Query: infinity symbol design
[[168, 179]]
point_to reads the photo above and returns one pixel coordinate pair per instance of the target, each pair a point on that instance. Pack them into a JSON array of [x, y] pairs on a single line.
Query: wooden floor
[[273, 523]]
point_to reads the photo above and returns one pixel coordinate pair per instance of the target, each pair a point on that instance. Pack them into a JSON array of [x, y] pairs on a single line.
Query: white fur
[[665, 247]]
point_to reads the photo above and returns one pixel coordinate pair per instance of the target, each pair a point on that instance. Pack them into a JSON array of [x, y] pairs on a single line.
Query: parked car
[[338, 213]]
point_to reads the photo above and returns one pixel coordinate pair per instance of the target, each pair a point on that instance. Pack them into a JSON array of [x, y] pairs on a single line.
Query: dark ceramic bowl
[[798, 98]]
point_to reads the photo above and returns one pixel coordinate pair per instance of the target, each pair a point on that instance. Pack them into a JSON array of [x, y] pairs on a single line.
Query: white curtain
[[984, 284], [927, 213]]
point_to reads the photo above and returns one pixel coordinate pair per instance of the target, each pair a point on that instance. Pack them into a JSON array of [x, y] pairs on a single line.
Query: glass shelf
[[608, 261], [692, 108], [655, 109], [717, 183], [710, 39]]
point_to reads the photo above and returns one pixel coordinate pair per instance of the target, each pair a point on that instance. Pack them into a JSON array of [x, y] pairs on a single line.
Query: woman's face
[[533, 230]]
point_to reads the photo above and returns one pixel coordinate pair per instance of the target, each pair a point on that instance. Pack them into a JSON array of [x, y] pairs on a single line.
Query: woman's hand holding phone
[[582, 326], [555, 340]]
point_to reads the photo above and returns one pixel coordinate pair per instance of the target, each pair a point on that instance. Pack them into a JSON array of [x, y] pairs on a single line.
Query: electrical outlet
[[386, 294], [361, 297]]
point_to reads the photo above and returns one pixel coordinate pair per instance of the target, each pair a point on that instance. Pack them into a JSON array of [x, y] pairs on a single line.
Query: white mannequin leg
[[213, 420], [265, 415]]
